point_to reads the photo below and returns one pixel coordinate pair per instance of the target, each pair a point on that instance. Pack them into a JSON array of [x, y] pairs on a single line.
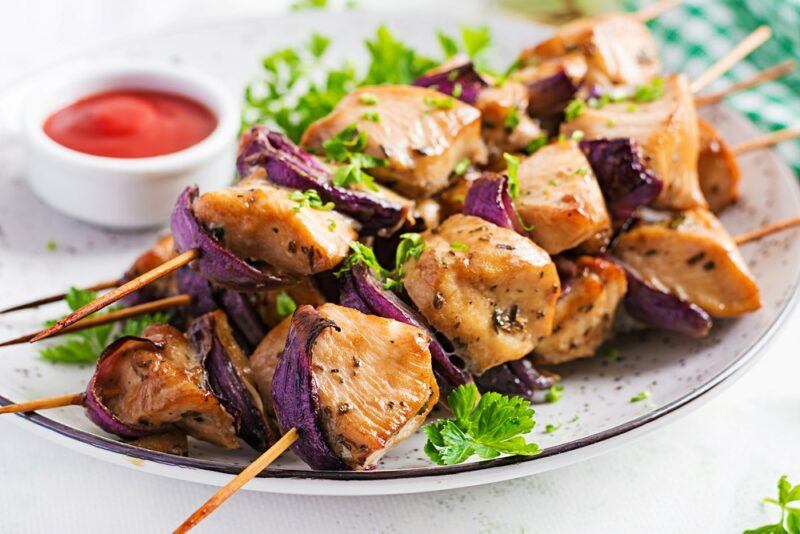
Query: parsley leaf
[[536, 144], [512, 171], [512, 119], [461, 167], [493, 426], [284, 304], [458, 246], [361, 253], [392, 62], [85, 346], [347, 147], [642, 395], [309, 199], [411, 246], [649, 91], [574, 109], [445, 102], [300, 5], [790, 515]]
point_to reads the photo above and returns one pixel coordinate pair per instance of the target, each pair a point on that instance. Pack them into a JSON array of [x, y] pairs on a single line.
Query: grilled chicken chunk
[[375, 383], [717, 168], [162, 251], [166, 388], [421, 133], [560, 198], [265, 359], [666, 129], [585, 312], [506, 124], [261, 222], [692, 256], [618, 49], [489, 290]]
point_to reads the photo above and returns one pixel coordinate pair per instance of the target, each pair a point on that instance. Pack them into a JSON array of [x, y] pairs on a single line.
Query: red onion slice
[[518, 377], [294, 391], [488, 199], [464, 76], [289, 166]]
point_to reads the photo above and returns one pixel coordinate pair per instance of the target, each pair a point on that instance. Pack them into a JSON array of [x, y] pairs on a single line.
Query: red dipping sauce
[[131, 124]]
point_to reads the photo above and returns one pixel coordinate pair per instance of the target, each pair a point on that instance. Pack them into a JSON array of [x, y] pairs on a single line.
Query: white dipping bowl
[[126, 193]]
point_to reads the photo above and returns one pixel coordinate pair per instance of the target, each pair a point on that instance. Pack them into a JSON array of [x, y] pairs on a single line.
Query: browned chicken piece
[[489, 290], [572, 64], [162, 251], [506, 124], [618, 48], [452, 199], [374, 381], [174, 442], [584, 313], [692, 256], [421, 133], [667, 131], [305, 291], [265, 359], [167, 387], [717, 168], [560, 198], [261, 222]]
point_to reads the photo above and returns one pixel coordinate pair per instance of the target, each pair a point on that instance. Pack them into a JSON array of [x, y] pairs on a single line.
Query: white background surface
[[705, 472]]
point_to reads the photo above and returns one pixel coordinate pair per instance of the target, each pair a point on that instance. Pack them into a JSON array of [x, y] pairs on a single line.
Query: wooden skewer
[[76, 399], [765, 141], [116, 294], [121, 315], [772, 73], [654, 10], [739, 52], [769, 229], [240, 480], [55, 298]]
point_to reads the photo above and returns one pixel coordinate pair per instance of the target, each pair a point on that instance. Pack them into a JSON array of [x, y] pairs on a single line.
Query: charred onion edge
[[289, 166], [248, 328], [216, 263], [227, 384], [624, 179], [294, 391], [488, 198], [518, 377], [445, 82], [663, 310], [362, 291], [97, 411], [547, 97]]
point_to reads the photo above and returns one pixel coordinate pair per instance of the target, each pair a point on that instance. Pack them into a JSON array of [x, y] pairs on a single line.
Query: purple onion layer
[[216, 263], [227, 383], [287, 165], [518, 377], [248, 328], [488, 199], [295, 393], [623, 177], [464, 76], [663, 310], [549, 96]]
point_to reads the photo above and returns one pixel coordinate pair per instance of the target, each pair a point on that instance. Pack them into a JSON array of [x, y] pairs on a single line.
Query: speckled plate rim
[[435, 478]]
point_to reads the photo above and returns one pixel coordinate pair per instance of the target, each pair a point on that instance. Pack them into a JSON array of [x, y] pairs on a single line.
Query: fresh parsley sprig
[[347, 148], [790, 515], [85, 346], [488, 427], [411, 246]]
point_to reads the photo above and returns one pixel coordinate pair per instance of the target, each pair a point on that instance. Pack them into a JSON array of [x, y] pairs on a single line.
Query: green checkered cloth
[[698, 32]]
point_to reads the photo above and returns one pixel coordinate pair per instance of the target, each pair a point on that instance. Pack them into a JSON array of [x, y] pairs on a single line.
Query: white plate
[[679, 373]]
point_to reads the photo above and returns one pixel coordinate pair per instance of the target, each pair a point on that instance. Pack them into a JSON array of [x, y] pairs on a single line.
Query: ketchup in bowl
[[131, 124]]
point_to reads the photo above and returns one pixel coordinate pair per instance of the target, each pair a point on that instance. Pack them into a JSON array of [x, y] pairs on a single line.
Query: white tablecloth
[[705, 472]]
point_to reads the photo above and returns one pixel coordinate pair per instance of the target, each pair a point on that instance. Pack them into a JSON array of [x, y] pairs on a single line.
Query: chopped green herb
[[512, 171], [448, 44], [631, 107], [462, 166], [371, 116], [650, 91], [554, 394], [318, 45], [285, 304], [611, 123], [490, 427], [536, 144], [611, 353], [361, 253], [643, 395], [368, 99], [550, 428], [300, 5], [581, 171], [458, 89], [458, 246], [512, 119], [444, 102], [309, 199], [51, 246], [554, 182], [332, 226], [411, 246], [574, 109], [85, 346], [348, 147], [577, 136], [789, 522]]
